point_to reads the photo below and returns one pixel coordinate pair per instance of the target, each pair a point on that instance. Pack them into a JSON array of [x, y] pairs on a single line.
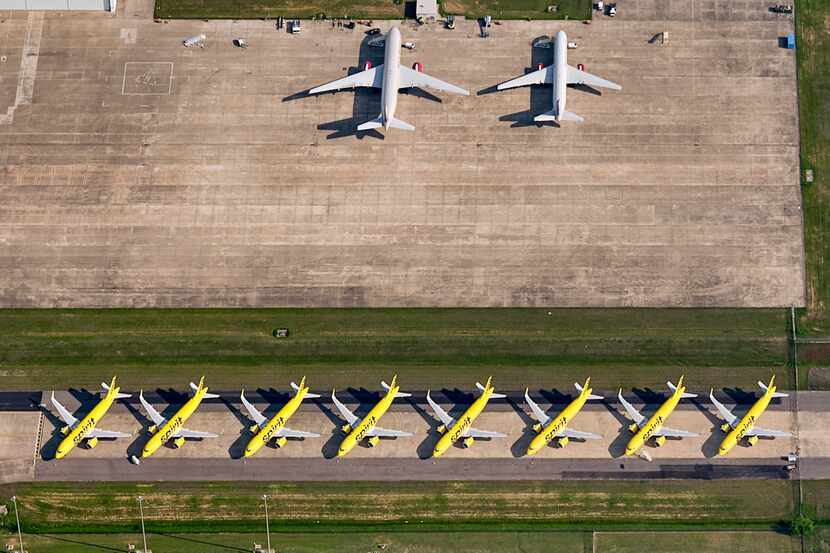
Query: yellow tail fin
[[301, 385], [680, 382], [201, 382], [771, 385], [394, 381], [112, 385], [489, 384], [586, 388]]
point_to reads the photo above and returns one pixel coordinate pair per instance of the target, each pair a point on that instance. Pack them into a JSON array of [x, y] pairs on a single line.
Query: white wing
[[410, 77], [65, 415], [346, 413], [154, 415], [538, 413], [95, 433], [633, 414], [672, 433], [253, 412], [766, 433], [476, 433], [371, 77], [542, 76], [445, 417], [727, 415], [568, 433], [185, 433], [386, 433], [575, 76], [288, 433]]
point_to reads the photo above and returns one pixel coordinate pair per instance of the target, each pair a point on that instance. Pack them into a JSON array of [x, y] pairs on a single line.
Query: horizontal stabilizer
[[196, 388], [552, 116], [307, 394], [119, 395], [493, 395], [673, 388], [373, 124], [765, 388], [387, 387]]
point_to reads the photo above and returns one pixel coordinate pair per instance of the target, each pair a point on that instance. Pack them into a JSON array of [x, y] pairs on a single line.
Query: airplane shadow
[[427, 445], [142, 436], [712, 443], [740, 396], [617, 446], [332, 444], [519, 447], [237, 448]]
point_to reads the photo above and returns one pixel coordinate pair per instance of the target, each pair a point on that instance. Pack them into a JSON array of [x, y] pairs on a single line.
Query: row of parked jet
[[549, 429], [391, 76]]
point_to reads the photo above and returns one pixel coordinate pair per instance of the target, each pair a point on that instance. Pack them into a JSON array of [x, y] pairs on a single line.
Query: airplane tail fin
[[674, 388], [489, 386], [552, 116], [201, 386], [388, 387], [391, 123], [771, 386], [111, 386], [302, 386], [586, 386]]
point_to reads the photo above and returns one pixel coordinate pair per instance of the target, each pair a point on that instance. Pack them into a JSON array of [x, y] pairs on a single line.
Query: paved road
[[193, 469]]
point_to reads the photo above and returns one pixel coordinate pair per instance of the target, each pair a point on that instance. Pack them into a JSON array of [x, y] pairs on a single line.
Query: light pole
[[267, 527], [141, 513], [17, 517]]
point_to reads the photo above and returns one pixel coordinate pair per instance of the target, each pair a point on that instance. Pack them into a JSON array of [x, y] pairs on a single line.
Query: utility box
[[790, 41]]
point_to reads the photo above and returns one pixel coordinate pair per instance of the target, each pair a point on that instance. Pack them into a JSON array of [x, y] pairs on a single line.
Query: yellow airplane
[[356, 428], [454, 429], [653, 428], [549, 428], [738, 429], [164, 430], [84, 430], [264, 430]]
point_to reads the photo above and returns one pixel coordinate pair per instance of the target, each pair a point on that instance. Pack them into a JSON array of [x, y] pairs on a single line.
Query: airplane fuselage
[[465, 421], [746, 423], [391, 75], [276, 423], [162, 435], [655, 422], [558, 424], [86, 425], [560, 80], [368, 423]]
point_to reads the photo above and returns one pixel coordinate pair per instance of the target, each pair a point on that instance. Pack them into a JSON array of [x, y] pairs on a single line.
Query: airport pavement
[[306, 459], [137, 172]]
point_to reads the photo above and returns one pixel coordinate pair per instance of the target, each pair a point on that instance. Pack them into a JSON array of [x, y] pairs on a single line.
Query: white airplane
[[390, 77], [560, 74]]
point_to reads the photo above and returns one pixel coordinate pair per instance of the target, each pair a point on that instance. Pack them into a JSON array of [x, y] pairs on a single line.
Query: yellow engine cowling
[[373, 441], [254, 428], [346, 428], [633, 427], [441, 429], [752, 440], [281, 441], [65, 430], [660, 440], [153, 429], [563, 441], [92, 442], [178, 442], [469, 441], [725, 427], [537, 427]]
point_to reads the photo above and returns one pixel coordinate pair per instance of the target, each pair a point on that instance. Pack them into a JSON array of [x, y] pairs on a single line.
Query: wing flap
[[185, 433], [767, 433], [541, 76], [673, 433], [289, 433], [371, 77], [96, 433], [575, 76], [410, 77], [387, 433], [476, 433], [568, 433]]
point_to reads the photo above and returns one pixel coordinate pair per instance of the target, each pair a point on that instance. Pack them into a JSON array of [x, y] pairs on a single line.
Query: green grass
[[45, 349], [422, 506], [365, 9], [697, 542], [395, 542], [813, 50]]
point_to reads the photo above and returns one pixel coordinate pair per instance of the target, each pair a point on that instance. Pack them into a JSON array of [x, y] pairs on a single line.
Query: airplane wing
[[371, 77], [568, 433], [154, 415], [65, 415], [95, 433], [445, 417], [542, 76], [727, 415], [575, 76], [185, 433], [253, 412], [288, 433], [766, 433], [537, 411], [476, 433], [410, 77], [633, 414], [386, 433], [672, 433], [345, 412]]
